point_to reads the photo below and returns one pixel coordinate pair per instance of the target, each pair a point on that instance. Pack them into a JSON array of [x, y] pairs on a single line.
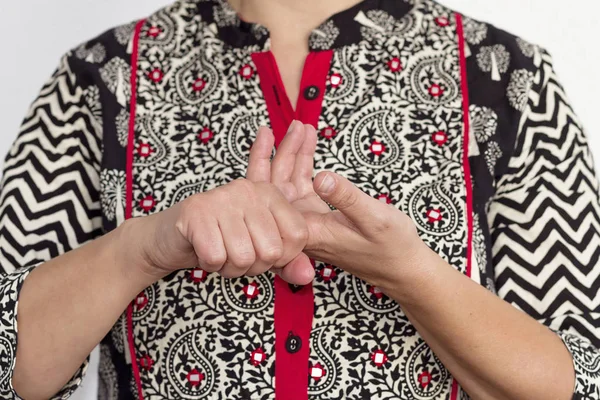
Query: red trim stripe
[[466, 164], [293, 312], [129, 191]]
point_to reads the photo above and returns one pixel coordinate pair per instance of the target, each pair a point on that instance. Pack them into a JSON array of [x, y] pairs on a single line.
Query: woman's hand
[[242, 228], [365, 237]]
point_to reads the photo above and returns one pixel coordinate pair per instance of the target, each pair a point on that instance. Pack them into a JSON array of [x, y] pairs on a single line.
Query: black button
[[295, 288], [293, 344], [311, 93]]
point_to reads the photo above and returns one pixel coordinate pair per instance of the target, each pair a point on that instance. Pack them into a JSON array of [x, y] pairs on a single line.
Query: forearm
[[493, 350], [66, 307]]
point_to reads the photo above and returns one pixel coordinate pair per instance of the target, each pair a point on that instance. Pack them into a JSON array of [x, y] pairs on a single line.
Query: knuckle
[[244, 259], [272, 254], [382, 222], [299, 235], [215, 259]]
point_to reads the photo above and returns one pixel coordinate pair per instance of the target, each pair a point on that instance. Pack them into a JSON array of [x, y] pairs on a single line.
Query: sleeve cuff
[[10, 288], [586, 361]]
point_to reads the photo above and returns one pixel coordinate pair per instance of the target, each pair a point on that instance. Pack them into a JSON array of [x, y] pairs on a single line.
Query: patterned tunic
[[457, 123]]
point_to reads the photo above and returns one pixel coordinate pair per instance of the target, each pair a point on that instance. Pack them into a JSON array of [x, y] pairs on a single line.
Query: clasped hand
[[278, 217]]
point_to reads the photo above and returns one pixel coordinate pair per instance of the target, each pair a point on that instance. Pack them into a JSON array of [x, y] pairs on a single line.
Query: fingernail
[[292, 126], [327, 185]]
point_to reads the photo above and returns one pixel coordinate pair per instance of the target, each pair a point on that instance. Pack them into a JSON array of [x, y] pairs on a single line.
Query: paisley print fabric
[[392, 121]]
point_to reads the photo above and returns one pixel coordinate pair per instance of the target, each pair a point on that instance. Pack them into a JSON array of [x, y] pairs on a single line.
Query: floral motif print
[[92, 99], [95, 54], [324, 36], [113, 194], [484, 122], [492, 154], [518, 88], [475, 32], [116, 74], [494, 59]]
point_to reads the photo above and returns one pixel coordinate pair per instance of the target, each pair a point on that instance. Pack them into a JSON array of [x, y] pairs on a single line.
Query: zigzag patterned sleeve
[[545, 226], [49, 202]]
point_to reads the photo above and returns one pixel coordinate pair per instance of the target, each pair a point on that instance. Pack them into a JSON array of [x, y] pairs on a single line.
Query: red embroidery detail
[[144, 150], [205, 135], [146, 362], [154, 31], [440, 138], [434, 215], [247, 71], [257, 357], [377, 148], [384, 198], [328, 133], [327, 273], [424, 378], [156, 75], [141, 301], [436, 90], [317, 372], [375, 291], [198, 85], [336, 80], [395, 65], [198, 275], [147, 203], [442, 21], [194, 377], [251, 290], [379, 358]]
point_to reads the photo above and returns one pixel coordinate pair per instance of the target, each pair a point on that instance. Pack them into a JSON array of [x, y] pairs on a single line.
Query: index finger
[[259, 164]]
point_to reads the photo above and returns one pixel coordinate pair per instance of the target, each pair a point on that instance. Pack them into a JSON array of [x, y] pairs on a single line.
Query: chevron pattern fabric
[[50, 197], [545, 226]]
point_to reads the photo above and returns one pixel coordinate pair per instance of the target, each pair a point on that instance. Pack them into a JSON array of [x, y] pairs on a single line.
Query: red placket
[[294, 307]]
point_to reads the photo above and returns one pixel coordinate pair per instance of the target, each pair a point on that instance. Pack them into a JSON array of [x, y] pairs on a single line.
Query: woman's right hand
[[241, 228], [246, 227]]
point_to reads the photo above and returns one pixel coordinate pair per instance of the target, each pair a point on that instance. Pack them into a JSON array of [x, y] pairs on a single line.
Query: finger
[[285, 156], [209, 247], [303, 168], [259, 164], [238, 244], [356, 205], [299, 271], [292, 228], [266, 239]]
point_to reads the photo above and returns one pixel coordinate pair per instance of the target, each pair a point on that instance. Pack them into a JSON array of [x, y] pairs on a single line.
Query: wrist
[[413, 272], [131, 240]]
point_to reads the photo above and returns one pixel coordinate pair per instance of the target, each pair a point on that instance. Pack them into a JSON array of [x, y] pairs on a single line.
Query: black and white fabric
[[391, 121], [50, 198]]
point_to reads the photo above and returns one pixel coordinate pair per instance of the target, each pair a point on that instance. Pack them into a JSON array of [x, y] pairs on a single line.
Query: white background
[[35, 33]]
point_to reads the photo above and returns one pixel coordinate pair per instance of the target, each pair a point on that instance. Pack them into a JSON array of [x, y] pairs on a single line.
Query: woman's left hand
[[364, 236]]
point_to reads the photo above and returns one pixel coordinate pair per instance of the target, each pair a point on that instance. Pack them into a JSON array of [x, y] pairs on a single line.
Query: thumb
[[355, 204]]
